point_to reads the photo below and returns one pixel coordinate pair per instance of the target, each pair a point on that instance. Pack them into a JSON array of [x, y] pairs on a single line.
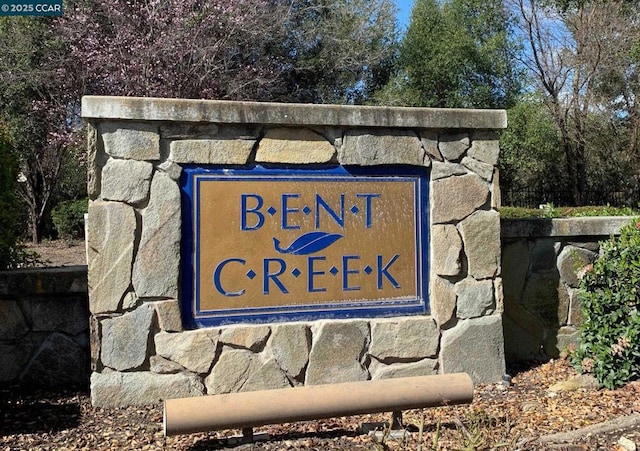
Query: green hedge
[[68, 218]]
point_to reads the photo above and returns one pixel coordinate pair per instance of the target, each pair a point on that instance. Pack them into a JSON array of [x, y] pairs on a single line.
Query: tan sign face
[[286, 244]]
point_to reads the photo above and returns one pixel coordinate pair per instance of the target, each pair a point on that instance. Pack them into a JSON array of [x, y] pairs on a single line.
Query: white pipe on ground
[[258, 408]]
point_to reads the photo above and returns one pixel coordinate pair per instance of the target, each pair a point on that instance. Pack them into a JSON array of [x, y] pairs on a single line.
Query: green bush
[[8, 205], [68, 218], [549, 211], [610, 293]]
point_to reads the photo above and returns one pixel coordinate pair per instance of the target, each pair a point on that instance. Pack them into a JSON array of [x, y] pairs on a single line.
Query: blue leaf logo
[[308, 243]]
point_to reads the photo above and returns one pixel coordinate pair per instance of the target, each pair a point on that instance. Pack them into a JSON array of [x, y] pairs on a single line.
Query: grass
[[549, 211]]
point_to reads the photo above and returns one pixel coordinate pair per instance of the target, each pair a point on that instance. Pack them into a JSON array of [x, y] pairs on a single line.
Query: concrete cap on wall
[[231, 112]]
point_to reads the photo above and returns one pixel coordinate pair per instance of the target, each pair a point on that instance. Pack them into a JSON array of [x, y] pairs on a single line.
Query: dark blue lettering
[[218, 272], [255, 211], [368, 209], [268, 275], [346, 271], [286, 210], [311, 286], [384, 271], [339, 219]]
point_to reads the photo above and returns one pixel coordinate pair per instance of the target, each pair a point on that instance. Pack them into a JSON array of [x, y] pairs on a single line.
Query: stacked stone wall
[[140, 351], [541, 261], [44, 327]]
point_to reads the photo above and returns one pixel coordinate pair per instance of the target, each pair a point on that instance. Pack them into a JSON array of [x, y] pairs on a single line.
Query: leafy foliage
[[457, 53], [610, 293], [8, 204], [68, 218], [564, 212]]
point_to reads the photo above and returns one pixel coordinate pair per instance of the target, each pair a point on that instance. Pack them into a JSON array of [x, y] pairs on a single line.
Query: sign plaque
[[280, 244]]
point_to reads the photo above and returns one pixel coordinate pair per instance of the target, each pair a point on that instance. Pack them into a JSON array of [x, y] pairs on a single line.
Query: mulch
[[522, 416]]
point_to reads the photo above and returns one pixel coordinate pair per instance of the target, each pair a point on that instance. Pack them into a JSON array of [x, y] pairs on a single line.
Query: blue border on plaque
[[193, 317]]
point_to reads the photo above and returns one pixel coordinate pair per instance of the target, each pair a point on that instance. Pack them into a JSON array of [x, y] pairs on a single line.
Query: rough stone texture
[[404, 338], [112, 228], [124, 339], [580, 382], [211, 151], [430, 145], [485, 148], [268, 377], [566, 336], [446, 246], [174, 130], [115, 389], [231, 371], [544, 253], [381, 147], [541, 296], [155, 271], [475, 298], [482, 169], [564, 304], [126, 181], [571, 260], [14, 357], [576, 316], [171, 169], [59, 361], [12, 321], [59, 315], [295, 146], [290, 344], [443, 300], [194, 349], [253, 338], [424, 367], [455, 198], [169, 317], [474, 346], [131, 141], [515, 266], [336, 353], [444, 170], [94, 162], [129, 301], [160, 365], [481, 236], [521, 344], [453, 146], [62, 280]]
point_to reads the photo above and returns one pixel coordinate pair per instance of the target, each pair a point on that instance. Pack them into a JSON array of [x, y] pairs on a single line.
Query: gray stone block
[[475, 298], [12, 321], [114, 389], [59, 361], [136, 141], [211, 151], [446, 247], [442, 300], [446, 169], [476, 347], [515, 266], [125, 338], [126, 181], [482, 169], [336, 353], [485, 147], [424, 367], [404, 338], [481, 236], [194, 349], [231, 371], [69, 315], [294, 146], [455, 198], [453, 146], [290, 345], [155, 270], [374, 147], [253, 338], [269, 376], [112, 228], [571, 260]]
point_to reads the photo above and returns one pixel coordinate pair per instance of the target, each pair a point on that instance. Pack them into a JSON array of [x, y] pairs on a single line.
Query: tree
[[8, 202], [35, 96], [457, 53], [579, 55]]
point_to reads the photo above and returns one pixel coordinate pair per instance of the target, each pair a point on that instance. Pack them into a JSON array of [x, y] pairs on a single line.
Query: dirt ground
[[522, 416], [59, 252]]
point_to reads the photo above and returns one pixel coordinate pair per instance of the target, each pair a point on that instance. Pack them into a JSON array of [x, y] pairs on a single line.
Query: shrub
[[68, 218], [610, 293], [8, 205]]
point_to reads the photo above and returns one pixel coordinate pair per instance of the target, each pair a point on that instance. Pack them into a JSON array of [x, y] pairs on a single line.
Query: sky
[[404, 11]]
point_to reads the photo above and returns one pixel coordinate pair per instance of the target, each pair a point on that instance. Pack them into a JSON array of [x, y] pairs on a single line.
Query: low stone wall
[[141, 352], [44, 327], [541, 259]]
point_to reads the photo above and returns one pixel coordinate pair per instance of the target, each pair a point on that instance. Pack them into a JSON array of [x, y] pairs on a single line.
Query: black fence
[[534, 197]]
